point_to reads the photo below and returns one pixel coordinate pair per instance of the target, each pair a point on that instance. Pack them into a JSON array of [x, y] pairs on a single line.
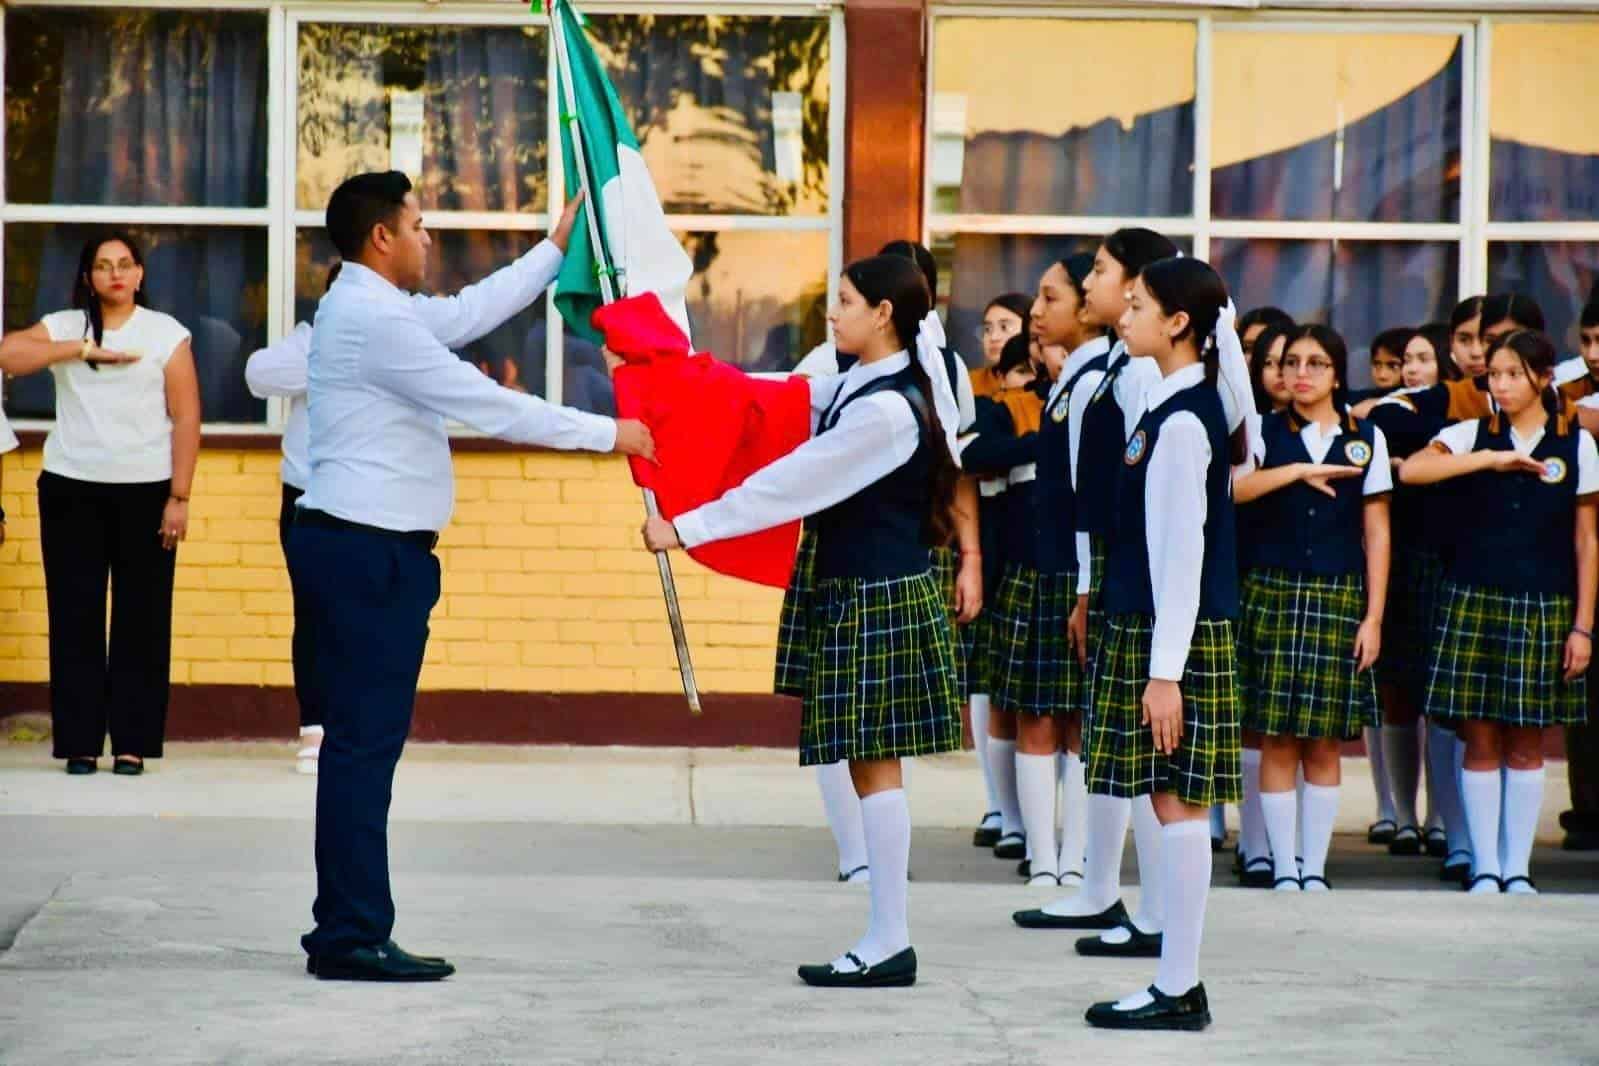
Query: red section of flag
[[714, 426]]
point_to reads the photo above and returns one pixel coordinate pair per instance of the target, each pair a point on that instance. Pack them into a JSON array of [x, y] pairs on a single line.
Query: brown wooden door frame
[[885, 122]]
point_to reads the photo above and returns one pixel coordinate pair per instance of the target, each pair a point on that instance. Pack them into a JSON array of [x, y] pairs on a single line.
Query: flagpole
[[674, 612]]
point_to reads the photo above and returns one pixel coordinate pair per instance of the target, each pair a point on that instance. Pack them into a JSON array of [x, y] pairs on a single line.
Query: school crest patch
[[1058, 412], [1554, 471], [1136, 448], [1358, 452]]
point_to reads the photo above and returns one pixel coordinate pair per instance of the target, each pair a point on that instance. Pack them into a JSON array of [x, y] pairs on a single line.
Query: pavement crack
[[975, 1002], [9, 934]]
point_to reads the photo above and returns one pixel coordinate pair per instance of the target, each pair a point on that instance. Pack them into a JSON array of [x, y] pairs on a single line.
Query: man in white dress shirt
[[382, 389]]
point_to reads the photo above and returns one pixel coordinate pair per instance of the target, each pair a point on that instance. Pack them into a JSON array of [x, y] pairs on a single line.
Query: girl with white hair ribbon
[[876, 484]]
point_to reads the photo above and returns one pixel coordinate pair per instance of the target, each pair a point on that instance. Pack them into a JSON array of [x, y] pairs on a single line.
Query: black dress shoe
[[1189, 1012], [897, 971], [1258, 873], [1109, 918], [1024, 868], [384, 962], [1142, 945], [79, 767], [1012, 846], [1437, 843], [986, 836], [1381, 831], [1408, 841], [128, 767], [1580, 840], [1456, 869]]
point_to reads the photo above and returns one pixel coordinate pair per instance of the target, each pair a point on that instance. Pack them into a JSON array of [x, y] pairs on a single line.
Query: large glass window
[[1544, 144], [114, 112]]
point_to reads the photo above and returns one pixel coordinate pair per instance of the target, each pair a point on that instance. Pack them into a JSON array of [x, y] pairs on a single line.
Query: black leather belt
[[306, 516]]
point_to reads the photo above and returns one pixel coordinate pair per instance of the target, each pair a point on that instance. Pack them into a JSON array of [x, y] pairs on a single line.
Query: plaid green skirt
[[1035, 671], [975, 646], [1408, 623], [1119, 749], [881, 683], [792, 622], [1296, 656], [944, 566], [1497, 658]]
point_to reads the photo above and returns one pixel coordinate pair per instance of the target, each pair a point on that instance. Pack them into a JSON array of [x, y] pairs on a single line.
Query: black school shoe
[[985, 835], [1456, 869], [1011, 846], [1189, 1012], [1037, 918], [385, 962], [1437, 843], [81, 766], [1258, 873], [1142, 945], [898, 971], [1382, 831], [1408, 841]]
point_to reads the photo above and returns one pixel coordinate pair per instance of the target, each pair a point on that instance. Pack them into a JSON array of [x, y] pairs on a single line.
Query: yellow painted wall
[[545, 587]]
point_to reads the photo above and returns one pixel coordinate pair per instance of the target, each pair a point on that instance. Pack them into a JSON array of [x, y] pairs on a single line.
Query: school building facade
[[1363, 165]]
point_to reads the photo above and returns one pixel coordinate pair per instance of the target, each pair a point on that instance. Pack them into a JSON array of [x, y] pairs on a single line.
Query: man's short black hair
[[361, 203]]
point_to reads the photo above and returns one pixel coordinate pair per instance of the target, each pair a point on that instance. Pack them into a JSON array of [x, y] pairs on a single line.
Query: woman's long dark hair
[[1016, 303], [1465, 311], [1437, 335], [1193, 286], [84, 298], [1537, 354], [1258, 354], [899, 281], [1511, 307], [1332, 342]]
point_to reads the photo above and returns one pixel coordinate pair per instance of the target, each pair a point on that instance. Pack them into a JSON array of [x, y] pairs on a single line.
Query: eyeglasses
[[1292, 364], [997, 329], [121, 266]]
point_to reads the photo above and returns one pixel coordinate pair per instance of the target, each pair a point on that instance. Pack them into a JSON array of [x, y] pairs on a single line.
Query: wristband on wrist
[[175, 496], [1584, 632], [86, 351]]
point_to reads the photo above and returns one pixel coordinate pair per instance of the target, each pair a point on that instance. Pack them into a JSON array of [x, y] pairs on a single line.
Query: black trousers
[[90, 532], [366, 600], [1582, 762], [304, 691]]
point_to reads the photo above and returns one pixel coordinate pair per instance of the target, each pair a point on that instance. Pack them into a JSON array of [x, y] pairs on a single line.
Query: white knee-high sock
[[1002, 763], [1280, 811], [1480, 790], [1459, 747], [1074, 819], [1320, 812], [1151, 914], [1402, 758], [1186, 866], [1445, 785], [1523, 802], [843, 808], [979, 705], [1435, 814], [1299, 821], [1379, 772], [1035, 784], [1251, 824], [887, 817], [1102, 866]]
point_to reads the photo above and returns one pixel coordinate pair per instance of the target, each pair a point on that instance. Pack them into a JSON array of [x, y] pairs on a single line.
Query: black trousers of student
[[91, 532], [304, 692], [367, 597]]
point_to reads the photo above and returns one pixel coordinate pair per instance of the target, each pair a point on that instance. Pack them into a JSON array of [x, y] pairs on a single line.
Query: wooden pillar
[[886, 87]]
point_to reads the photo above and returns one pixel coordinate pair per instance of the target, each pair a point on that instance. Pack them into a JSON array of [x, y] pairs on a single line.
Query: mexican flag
[[599, 152]]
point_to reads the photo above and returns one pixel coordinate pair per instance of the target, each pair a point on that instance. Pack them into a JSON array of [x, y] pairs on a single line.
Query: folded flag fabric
[[713, 424]]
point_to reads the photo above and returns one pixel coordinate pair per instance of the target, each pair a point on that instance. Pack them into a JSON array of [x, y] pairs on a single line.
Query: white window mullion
[[1202, 109], [1481, 179], [1336, 231], [1056, 225], [144, 215]]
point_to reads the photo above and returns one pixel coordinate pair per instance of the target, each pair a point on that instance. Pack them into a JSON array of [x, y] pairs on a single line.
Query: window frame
[[282, 218], [1472, 233]]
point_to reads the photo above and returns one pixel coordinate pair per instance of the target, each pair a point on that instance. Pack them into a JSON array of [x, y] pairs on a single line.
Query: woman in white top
[[113, 501]]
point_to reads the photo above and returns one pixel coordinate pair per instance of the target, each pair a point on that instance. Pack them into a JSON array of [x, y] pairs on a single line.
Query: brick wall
[[545, 587]]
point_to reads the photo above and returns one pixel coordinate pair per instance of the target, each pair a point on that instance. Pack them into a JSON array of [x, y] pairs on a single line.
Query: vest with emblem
[[1128, 589], [881, 531], [1300, 529], [1521, 536], [1101, 442], [1054, 515]]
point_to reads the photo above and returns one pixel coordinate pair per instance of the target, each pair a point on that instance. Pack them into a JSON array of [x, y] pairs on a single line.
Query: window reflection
[[1361, 127], [730, 111], [460, 109], [120, 106], [1559, 275], [213, 279], [1063, 117], [1544, 145], [758, 299]]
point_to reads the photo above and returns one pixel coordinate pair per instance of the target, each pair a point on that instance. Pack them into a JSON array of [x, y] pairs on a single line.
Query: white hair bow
[[930, 343], [1232, 382]]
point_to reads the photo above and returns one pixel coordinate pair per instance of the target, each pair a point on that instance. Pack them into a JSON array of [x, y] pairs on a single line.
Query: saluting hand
[[660, 535], [106, 357], [634, 438], [1319, 475], [1513, 462], [1163, 713]]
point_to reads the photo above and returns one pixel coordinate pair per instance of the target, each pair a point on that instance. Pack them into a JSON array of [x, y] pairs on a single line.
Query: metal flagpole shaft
[[674, 612]]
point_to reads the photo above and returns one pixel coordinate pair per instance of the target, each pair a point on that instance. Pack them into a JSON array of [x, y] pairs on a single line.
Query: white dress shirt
[[1076, 405], [1318, 441], [476, 311], [873, 437], [382, 390], [1174, 524], [8, 439], [1461, 439]]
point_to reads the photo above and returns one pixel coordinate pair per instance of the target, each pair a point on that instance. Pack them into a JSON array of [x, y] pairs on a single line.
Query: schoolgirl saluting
[[877, 481], [1515, 624], [1165, 701], [1313, 598]]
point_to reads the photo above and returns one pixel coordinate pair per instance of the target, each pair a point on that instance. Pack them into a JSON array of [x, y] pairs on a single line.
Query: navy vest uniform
[[1509, 588], [1103, 436], [1119, 748], [1127, 581], [1305, 594], [1300, 529]]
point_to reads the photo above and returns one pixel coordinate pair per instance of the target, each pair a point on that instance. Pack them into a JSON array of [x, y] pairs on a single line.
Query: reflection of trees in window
[[484, 93], [700, 93]]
